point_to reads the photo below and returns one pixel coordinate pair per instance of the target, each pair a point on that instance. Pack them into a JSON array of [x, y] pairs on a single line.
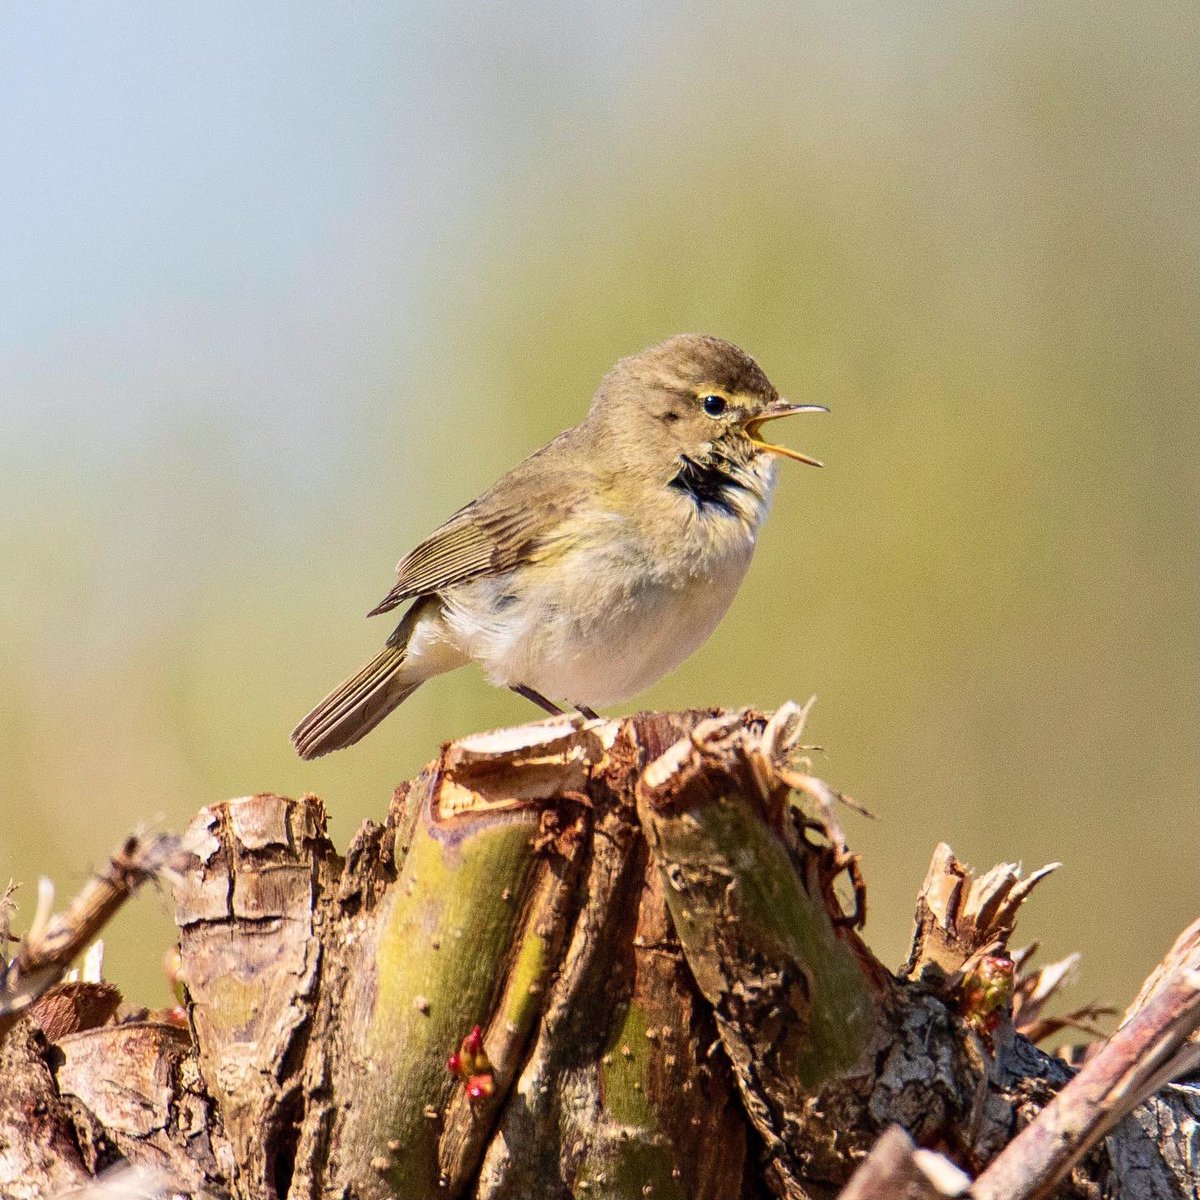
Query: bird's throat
[[709, 486]]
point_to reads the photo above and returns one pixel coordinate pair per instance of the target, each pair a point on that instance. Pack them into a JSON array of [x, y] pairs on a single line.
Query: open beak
[[773, 411]]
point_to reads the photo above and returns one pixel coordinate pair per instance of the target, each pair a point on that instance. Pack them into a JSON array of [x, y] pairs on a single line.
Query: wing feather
[[488, 537]]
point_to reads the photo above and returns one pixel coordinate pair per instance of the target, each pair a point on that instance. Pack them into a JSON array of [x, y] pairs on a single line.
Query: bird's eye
[[714, 405]]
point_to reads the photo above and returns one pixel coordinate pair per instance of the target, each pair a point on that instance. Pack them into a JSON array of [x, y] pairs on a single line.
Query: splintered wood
[[961, 918]]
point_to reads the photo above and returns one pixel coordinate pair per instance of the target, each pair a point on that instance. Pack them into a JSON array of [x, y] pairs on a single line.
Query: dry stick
[[1146, 1053], [1183, 955], [53, 942], [896, 1170]]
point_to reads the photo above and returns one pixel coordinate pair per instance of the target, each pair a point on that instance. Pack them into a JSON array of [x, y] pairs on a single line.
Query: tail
[[352, 710], [417, 650]]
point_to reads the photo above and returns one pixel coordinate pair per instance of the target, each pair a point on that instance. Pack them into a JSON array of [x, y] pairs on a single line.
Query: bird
[[600, 562]]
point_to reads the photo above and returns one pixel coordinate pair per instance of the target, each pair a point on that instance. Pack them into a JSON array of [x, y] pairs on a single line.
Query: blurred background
[[284, 285]]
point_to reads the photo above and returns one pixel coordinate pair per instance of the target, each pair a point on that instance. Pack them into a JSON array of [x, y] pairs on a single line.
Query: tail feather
[[352, 710]]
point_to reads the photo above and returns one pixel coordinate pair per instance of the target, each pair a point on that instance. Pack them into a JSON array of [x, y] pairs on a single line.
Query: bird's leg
[[583, 710], [537, 698]]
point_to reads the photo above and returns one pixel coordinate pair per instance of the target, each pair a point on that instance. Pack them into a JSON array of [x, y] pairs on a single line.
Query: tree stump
[[579, 959]]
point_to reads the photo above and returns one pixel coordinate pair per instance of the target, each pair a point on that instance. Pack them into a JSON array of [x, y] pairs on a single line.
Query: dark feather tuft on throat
[[708, 485]]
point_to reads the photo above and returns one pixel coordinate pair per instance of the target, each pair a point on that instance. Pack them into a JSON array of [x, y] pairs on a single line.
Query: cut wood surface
[[582, 959]]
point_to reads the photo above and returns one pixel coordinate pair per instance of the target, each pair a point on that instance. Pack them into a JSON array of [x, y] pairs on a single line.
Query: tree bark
[[598, 959]]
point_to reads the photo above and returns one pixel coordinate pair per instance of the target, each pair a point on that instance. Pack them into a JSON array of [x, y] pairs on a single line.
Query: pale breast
[[641, 640], [613, 613]]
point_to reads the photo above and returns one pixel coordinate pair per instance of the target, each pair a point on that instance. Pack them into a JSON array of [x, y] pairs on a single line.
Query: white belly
[[634, 643], [599, 627]]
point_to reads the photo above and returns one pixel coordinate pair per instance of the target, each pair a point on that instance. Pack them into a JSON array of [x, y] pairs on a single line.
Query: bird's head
[[692, 397]]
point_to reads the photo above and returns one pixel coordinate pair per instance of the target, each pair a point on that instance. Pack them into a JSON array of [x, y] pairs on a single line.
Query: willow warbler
[[600, 562]]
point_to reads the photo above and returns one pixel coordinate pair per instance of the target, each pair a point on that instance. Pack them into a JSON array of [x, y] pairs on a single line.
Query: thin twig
[[895, 1168], [53, 942], [1149, 1050]]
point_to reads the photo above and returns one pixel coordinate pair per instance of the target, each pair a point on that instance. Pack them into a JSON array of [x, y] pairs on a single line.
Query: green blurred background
[[283, 285]]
